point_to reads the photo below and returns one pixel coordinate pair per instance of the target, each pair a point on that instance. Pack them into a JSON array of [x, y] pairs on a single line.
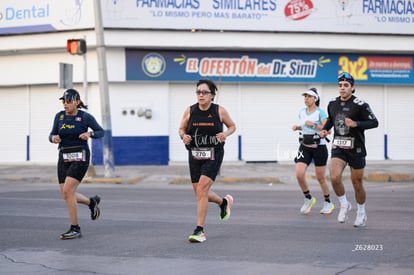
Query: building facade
[[262, 56]]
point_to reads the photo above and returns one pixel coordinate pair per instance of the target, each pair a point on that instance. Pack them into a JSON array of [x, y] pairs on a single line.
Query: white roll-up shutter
[[44, 104], [268, 113], [400, 114], [14, 115]]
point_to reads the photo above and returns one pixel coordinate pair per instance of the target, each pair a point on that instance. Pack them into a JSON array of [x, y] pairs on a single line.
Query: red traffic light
[[76, 46]]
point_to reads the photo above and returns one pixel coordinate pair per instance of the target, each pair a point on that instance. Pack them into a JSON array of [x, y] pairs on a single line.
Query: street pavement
[[149, 211]]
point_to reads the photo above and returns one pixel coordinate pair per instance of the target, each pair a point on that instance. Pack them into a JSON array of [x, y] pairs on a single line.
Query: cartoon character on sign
[[344, 11]]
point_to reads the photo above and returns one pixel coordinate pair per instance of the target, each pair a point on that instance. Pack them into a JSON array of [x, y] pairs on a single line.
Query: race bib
[[73, 154], [203, 153], [344, 142]]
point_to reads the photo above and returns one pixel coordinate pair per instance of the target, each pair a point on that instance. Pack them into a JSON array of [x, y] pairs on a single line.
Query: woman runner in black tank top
[[201, 130]]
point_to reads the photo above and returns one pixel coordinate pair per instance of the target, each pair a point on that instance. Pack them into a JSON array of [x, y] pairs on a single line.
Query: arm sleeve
[[90, 121], [328, 125], [55, 129], [368, 120]]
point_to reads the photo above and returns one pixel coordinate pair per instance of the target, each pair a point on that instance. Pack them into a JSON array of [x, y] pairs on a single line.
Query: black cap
[[70, 94]]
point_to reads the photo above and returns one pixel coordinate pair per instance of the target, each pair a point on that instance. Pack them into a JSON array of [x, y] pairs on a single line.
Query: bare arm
[[226, 119], [183, 127]]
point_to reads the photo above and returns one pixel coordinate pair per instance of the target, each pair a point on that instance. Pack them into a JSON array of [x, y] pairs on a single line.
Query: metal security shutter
[[374, 96], [268, 113], [44, 104], [183, 95], [400, 113], [14, 124]]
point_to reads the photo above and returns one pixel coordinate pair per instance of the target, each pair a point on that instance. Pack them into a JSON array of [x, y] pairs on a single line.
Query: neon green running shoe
[[225, 208], [307, 205], [197, 237], [327, 208]]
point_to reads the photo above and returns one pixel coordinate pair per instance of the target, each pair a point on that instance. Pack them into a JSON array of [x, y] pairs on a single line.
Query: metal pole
[[85, 77], [91, 169], [108, 155]]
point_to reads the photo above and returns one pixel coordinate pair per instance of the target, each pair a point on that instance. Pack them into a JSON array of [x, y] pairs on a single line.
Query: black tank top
[[203, 127]]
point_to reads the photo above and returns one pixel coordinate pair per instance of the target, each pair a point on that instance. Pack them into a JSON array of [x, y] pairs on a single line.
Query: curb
[[372, 177]]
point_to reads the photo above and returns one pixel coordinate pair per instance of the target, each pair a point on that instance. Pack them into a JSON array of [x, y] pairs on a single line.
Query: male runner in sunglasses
[[350, 117]]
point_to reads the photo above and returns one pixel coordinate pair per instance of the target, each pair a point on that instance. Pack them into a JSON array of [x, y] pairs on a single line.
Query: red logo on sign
[[298, 9]]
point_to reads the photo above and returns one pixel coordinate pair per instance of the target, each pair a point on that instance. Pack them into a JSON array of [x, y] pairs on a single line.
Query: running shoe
[[327, 208], [225, 208], [93, 206], [72, 233], [344, 211], [361, 219], [197, 237], [307, 205]]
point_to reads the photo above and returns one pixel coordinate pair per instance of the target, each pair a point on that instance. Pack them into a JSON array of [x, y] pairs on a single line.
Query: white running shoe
[[307, 205], [344, 211], [327, 208], [361, 219]]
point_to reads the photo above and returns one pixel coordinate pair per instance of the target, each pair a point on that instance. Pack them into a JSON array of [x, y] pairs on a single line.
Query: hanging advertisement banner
[[34, 16], [267, 67], [332, 16]]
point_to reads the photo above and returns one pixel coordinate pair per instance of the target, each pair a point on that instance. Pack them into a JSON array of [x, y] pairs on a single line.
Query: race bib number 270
[[202, 153]]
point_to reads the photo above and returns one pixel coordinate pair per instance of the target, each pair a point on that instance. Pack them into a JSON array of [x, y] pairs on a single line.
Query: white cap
[[311, 93]]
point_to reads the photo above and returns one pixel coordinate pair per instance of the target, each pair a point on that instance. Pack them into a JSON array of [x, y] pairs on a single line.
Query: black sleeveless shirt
[[203, 127]]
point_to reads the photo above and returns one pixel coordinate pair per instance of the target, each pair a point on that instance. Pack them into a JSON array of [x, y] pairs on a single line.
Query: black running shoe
[[93, 206], [72, 233]]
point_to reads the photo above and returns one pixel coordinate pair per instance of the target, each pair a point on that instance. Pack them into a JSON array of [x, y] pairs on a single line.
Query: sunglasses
[[67, 101], [203, 92], [346, 76]]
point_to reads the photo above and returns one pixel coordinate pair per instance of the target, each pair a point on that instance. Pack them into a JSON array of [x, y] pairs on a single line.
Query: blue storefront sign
[[267, 67]]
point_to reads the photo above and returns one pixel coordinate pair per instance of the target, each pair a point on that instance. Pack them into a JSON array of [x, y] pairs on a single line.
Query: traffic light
[[76, 46]]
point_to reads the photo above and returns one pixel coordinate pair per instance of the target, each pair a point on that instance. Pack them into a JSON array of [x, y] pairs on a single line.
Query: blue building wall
[[148, 150]]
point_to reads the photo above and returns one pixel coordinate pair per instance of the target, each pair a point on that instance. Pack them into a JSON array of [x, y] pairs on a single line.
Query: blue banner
[[266, 67]]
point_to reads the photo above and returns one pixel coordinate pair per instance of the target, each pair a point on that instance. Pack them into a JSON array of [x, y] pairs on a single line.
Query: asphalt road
[[144, 230]]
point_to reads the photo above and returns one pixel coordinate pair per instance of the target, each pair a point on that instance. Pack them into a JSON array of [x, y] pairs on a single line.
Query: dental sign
[[33, 16], [333, 16], [267, 67]]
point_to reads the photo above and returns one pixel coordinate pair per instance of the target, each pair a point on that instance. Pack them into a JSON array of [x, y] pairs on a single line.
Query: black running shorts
[[75, 170], [306, 154], [354, 161], [209, 168]]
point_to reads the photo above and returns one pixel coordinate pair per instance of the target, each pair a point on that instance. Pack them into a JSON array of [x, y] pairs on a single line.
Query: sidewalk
[[178, 173]]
